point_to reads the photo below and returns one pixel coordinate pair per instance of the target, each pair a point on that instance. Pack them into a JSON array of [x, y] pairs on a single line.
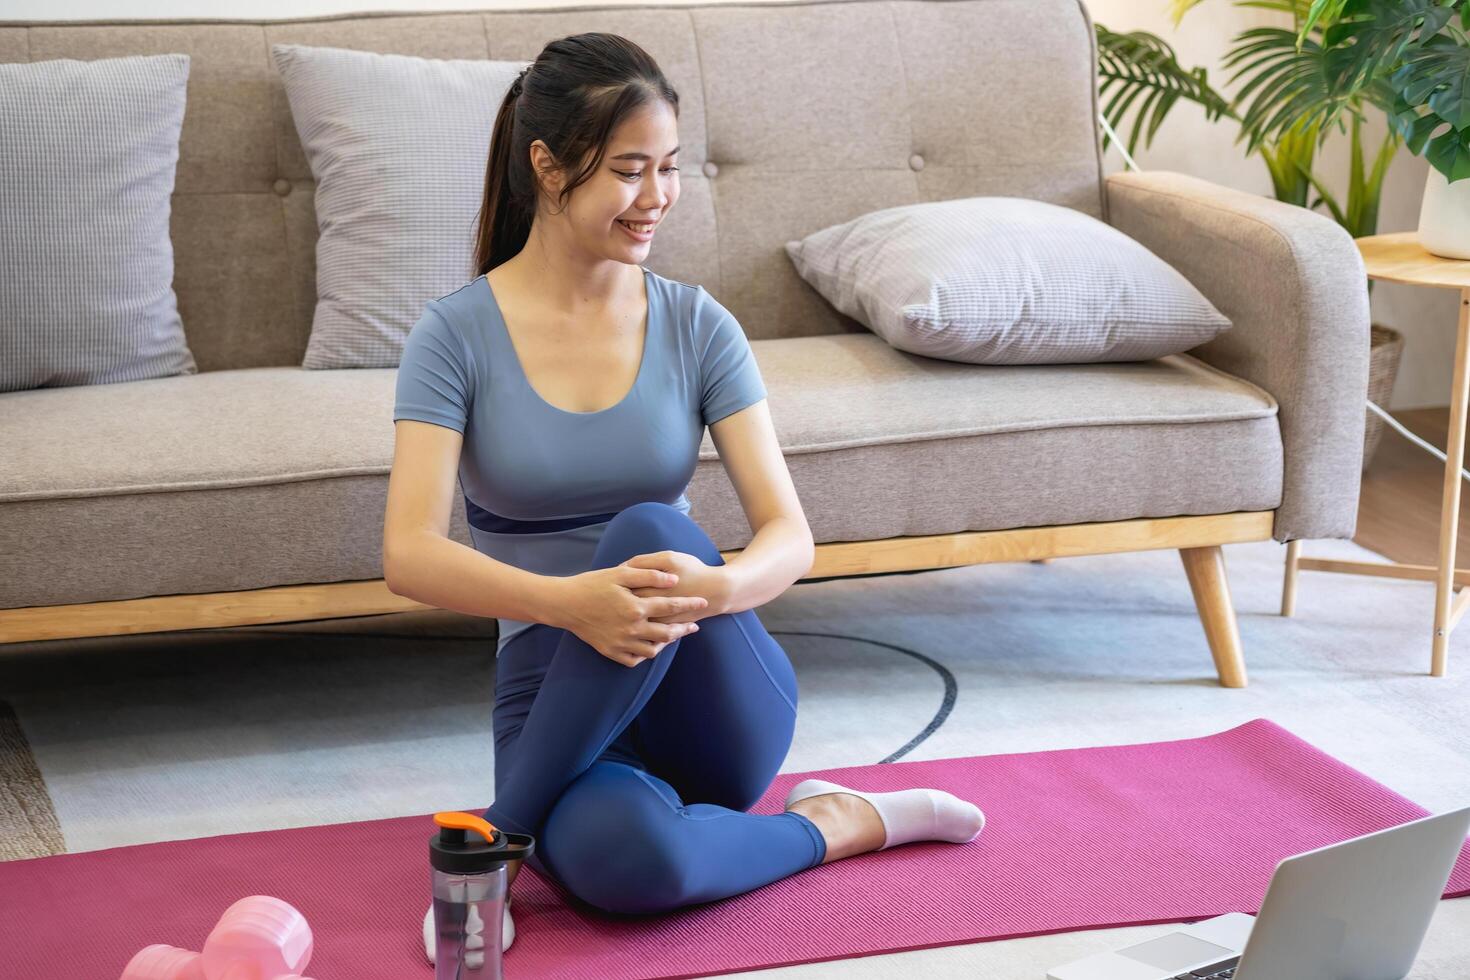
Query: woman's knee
[[648, 517], [610, 842], [653, 526]]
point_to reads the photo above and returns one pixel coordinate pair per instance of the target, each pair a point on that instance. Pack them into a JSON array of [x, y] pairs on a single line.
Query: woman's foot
[[863, 821], [849, 824]]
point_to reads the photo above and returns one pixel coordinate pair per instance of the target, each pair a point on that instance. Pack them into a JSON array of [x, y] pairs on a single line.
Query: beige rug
[[28, 824]]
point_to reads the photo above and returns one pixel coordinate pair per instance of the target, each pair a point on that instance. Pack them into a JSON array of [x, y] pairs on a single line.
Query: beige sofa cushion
[[272, 476]]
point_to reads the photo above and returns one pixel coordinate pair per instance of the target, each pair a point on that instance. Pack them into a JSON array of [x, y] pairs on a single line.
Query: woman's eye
[[639, 173]]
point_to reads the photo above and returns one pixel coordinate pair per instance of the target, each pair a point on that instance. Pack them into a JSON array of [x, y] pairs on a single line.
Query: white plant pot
[[1444, 217]]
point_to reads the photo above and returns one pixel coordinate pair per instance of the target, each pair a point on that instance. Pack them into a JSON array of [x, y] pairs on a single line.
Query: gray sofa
[[254, 490]]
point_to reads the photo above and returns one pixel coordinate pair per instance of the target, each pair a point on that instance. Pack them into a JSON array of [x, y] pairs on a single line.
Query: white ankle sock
[[474, 936], [908, 814]]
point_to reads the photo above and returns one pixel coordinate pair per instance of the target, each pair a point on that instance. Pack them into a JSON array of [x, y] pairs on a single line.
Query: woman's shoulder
[[675, 287], [693, 303], [668, 282], [460, 303]]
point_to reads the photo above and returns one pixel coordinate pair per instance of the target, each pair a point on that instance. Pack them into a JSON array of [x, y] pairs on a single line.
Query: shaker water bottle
[[469, 881]]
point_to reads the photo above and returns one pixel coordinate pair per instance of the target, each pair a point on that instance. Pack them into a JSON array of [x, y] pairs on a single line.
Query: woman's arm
[[421, 561], [438, 570]]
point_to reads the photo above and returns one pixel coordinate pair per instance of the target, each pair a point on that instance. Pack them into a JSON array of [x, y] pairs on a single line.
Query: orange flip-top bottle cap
[[453, 851], [460, 820]]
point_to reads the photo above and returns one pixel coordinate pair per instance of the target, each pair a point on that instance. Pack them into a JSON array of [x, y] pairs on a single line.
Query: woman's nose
[[655, 199]]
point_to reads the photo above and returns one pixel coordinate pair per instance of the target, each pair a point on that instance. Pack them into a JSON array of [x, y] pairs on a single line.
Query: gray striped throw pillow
[[88, 151], [1005, 280], [398, 146]]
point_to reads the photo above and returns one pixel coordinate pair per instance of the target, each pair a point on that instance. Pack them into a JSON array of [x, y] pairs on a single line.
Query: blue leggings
[[596, 759]]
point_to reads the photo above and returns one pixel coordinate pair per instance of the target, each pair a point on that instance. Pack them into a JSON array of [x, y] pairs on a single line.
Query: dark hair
[[571, 98]]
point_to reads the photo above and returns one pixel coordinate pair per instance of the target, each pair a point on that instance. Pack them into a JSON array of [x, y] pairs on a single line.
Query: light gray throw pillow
[[88, 151], [398, 146], [1005, 280]]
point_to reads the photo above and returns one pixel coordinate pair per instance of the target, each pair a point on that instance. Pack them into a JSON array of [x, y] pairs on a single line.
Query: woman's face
[[636, 183]]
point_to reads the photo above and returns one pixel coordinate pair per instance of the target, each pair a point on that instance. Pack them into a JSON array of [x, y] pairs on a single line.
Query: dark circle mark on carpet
[[951, 686]]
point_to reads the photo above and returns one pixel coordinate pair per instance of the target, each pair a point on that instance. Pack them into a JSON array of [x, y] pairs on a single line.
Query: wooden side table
[[1399, 257]]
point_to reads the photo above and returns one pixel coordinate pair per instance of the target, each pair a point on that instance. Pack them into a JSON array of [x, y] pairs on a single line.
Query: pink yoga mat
[[1076, 839]]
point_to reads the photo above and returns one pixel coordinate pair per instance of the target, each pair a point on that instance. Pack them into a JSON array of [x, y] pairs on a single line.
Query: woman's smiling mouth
[[641, 231]]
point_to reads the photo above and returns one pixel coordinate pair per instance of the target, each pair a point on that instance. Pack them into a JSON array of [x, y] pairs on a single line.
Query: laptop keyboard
[[1215, 971]]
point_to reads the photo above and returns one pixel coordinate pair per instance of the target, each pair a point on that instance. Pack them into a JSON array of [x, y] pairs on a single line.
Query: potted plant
[[1418, 51], [1406, 58]]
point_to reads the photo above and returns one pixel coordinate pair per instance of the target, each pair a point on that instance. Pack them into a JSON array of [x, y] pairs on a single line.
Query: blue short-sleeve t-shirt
[[540, 483]]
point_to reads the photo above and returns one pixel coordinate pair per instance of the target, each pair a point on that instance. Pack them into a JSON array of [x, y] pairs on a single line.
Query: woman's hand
[[603, 607], [695, 578]]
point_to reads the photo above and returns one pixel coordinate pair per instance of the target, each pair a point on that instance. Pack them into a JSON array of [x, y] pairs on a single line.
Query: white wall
[[1427, 317]]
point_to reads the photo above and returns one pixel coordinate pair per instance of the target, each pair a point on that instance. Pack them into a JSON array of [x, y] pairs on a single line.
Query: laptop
[[1356, 910]]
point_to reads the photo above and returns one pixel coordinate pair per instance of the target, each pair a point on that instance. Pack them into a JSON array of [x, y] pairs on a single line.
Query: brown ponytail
[[571, 98]]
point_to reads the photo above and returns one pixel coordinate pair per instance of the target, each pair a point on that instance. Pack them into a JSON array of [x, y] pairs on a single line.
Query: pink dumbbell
[[244, 971], [257, 938], [261, 931], [163, 962]]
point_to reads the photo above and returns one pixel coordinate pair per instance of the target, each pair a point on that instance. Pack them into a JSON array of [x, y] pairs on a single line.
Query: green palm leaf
[[1142, 65], [1178, 8], [1321, 13], [1287, 85], [1297, 8]]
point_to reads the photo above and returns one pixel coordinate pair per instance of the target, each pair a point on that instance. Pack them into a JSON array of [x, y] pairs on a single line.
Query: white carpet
[[188, 735]]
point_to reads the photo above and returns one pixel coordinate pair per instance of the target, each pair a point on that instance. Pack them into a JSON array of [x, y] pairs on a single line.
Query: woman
[[640, 706]]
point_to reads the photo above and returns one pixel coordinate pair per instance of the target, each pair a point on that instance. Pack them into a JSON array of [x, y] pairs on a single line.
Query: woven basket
[[1383, 366]]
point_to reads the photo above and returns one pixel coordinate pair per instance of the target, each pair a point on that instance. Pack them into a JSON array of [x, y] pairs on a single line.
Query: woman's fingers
[[661, 633], [650, 578], [653, 637], [659, 606], [642, 650]]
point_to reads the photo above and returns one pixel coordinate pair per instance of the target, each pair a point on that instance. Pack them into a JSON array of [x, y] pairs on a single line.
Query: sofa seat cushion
[[884, 443], [278, 475]]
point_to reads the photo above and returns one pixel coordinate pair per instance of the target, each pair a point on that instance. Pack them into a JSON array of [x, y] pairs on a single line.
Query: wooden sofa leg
[[1206, 570], [1288, 581]]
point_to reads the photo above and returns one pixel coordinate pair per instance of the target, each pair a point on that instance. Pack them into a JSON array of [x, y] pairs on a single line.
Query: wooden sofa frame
[[1198, 539]]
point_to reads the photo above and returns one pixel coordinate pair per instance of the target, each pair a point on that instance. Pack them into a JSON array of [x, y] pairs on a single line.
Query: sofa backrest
[[793, 117]]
